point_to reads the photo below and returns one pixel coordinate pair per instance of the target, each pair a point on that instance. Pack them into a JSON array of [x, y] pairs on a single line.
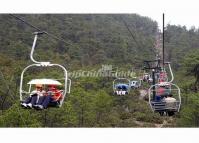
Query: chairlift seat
[[54, 104], [164, 104]]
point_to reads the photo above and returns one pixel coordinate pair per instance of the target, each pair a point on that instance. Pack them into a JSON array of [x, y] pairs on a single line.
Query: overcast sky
[[178, 12]]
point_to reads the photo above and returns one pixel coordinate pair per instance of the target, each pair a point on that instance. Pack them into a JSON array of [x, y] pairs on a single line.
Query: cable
[[25, 22], [133, 36], [38, 29], [126, 25]]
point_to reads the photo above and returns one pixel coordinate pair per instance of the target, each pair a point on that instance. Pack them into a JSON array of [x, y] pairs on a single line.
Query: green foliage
[[95, 40], [191, 60], [151, 118], [15, 116], [189, 112], [179, 42]]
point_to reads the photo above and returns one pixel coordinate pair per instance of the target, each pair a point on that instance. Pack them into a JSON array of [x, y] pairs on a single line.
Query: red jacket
[[162, 77], [160, 91], [56, 94]]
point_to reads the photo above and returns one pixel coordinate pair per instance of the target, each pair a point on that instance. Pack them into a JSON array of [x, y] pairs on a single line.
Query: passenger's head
[[124, 87], [52, 87], [119, 87], [162, 86], [170, 95], [39, 86]]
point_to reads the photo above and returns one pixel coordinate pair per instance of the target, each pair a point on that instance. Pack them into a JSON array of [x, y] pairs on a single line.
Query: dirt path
[[143, 93], [158, 45], [161, 125], [144, 124]]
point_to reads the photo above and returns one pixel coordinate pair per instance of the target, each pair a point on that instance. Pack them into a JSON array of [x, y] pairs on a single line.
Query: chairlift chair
[[162, 105], [171, 73], [121, 86], [44, 65], [135, 83], [146, 76]]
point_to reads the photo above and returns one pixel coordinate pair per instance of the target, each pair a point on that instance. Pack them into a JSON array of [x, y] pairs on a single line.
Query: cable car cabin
[[135, 84], [165, 97], [121, 89], [121, 86]]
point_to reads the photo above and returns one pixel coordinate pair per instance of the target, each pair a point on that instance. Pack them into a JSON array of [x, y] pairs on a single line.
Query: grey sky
[[178, 12]]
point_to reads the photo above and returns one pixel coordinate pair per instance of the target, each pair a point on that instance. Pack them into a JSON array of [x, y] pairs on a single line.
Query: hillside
[[95, 40]]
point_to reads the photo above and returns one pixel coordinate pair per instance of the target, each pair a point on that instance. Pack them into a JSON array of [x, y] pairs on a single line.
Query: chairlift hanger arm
[[40, 33], [33, 47], [171, 72]]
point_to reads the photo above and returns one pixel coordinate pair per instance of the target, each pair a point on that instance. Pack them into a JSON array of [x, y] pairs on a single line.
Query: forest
[[94, 40]]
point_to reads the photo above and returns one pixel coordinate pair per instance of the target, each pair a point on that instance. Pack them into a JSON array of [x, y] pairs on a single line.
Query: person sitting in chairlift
[[34, 97], [162, 77], [124, 90], [160, 93], [53, 95], [169, 99], [146, 77], [163, 91], [119, 90], [170, 104]]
